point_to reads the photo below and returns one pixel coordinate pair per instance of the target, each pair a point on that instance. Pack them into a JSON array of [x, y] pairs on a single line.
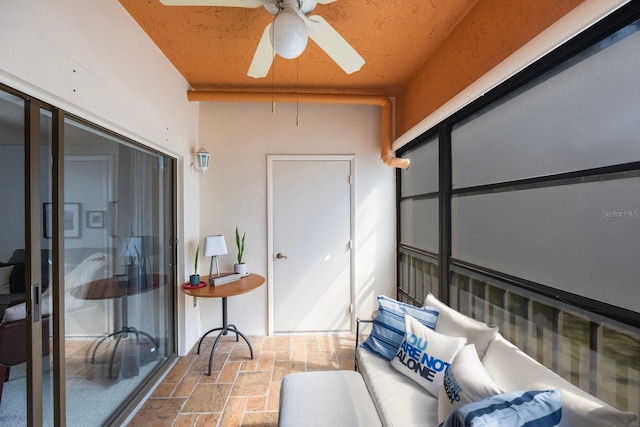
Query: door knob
[[280, 256]]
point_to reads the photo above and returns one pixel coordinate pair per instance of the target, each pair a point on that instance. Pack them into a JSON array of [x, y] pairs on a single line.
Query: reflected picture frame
[[95, 219], [72, 220]]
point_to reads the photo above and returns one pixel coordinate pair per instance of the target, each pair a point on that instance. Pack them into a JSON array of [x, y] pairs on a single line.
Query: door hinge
[[349, 179], [350, 244]]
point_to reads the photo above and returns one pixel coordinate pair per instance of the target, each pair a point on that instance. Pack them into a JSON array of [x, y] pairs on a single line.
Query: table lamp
[[214, 246]]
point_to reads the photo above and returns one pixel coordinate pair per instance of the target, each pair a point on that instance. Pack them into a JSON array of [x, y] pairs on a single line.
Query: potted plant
[[194, 279], [240, 266]]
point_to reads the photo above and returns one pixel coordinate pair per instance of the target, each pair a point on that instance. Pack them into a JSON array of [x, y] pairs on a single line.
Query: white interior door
[[310, 243]]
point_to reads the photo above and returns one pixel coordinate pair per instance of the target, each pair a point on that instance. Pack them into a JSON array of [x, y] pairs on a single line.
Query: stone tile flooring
[[240, 391]]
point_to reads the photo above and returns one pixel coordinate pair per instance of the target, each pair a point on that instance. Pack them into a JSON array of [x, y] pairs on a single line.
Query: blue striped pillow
[[513, 409], [389, 328]]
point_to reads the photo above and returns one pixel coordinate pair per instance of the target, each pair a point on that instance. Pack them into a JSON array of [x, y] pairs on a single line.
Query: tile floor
[[240, 391]]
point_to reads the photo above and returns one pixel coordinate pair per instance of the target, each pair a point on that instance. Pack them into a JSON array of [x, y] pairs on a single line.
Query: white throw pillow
[[5, 288], [425, 355], [465, 381], [15, 312], [454, 323], [5, 279]]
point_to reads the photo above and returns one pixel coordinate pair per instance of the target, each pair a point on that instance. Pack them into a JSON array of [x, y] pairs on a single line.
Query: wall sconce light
[[202, 161]]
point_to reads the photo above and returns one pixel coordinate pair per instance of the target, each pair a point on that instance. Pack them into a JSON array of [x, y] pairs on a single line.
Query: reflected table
[[237, 287], [113, 288]]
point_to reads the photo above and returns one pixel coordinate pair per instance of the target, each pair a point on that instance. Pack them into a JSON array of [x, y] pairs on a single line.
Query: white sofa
[[402, 402]]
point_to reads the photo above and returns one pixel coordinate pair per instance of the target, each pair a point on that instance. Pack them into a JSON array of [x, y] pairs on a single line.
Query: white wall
[[91, 59], [239, 137]]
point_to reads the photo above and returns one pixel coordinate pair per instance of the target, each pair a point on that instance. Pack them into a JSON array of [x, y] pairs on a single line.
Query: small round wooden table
[[237, 287]]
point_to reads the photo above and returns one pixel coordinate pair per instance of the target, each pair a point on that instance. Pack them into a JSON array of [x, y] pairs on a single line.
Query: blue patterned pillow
[[389, 328], [513, 409]]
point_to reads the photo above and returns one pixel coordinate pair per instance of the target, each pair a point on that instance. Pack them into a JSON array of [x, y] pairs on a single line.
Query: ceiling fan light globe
[[288, 35]]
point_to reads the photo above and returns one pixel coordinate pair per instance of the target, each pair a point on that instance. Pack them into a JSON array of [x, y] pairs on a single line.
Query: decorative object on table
[[240, 267], [136, 250], [188, 285], [122, 280], [202, 161], [219, 279], [213, 247], [194, 279]]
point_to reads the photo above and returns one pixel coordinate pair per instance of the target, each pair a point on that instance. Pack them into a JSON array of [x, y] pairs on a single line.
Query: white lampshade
[[288, 34], [214, 245]]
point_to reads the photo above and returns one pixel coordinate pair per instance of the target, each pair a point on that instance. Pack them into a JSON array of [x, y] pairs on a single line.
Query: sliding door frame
[[33, 276]]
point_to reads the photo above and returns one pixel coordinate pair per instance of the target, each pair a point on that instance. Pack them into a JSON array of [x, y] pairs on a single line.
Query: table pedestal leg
[[124, 332], [226, 327]]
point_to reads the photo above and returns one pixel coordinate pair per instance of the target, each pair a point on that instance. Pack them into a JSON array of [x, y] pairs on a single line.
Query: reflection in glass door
[[13, 408], [25, 264], [118, 275], [110, 209]]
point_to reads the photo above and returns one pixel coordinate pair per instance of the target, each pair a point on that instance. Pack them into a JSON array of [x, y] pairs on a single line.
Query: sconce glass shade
[[288, 34], [202, 160], [214, 245]]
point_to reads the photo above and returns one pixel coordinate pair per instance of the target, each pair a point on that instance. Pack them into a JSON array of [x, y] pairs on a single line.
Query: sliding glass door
[[87, 260], [118, 275], [25, 263]]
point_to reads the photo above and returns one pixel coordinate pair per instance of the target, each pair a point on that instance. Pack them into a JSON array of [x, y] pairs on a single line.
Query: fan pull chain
[[297, 95], [273, 89], [273, 74]]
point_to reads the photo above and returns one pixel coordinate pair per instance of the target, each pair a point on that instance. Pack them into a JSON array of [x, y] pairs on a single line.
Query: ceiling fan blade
[[263, 58], [221, 3], [335, 45]]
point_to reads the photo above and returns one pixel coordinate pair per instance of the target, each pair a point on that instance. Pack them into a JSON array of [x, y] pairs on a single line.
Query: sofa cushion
[[465, 381], [326, 398], [18, 275], [425, 355], [452, 322], [399, 400], [5, 278], [388, 326], [520, 408], [15, 312], [512, 369]]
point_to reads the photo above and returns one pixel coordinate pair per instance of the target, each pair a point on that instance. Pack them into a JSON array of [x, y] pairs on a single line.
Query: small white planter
[[240, 268]]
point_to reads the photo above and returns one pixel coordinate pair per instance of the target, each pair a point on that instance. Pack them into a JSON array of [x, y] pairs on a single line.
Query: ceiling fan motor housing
[[288, 34]]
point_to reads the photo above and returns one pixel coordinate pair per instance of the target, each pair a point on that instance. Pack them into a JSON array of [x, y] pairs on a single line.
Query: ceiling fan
[[287, 34]]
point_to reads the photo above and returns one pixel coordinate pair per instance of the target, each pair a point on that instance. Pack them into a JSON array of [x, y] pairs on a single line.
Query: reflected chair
[[13, 345]]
